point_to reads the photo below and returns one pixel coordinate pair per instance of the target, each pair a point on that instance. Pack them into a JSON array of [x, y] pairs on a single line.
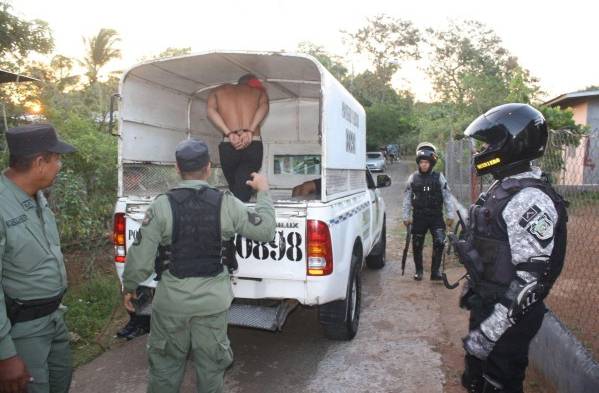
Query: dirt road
[[408, 340]]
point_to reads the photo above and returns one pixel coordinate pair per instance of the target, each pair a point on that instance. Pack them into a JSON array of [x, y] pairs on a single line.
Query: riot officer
[[192, 225], [513, 249], [426, 193], [34, 341]]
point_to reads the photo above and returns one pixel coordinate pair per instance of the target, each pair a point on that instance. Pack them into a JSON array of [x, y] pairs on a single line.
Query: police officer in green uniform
[[34, 340], [193, 224]]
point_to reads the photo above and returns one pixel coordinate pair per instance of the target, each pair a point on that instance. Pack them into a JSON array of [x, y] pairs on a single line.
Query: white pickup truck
[[314, 129]]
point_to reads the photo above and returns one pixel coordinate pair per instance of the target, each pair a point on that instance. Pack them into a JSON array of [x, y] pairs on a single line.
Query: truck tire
[[376, 259], [340, 319]]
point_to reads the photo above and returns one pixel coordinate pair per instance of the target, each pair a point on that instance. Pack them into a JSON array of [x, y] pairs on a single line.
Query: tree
[[100, 51], [471, 72], [19, 37], [386, 41], [333, 63]]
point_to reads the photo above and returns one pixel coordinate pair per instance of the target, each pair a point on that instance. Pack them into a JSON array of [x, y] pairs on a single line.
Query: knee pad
[[438, 238], [418, 241]]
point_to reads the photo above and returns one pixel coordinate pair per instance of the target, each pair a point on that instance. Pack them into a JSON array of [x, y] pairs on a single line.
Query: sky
[[556, 41]]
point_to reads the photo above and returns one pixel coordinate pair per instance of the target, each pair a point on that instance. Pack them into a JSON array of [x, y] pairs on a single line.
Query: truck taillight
[[118, 238], [319, 249]]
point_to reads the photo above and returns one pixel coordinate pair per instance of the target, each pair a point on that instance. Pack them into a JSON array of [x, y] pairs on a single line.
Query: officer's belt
[[28, 310]]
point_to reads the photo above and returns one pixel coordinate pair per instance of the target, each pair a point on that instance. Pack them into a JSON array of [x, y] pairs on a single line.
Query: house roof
[[7, 76], [569, 98]]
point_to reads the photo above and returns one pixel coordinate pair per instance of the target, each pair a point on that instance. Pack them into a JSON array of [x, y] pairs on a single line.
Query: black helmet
[[426, 151], [514, 135]]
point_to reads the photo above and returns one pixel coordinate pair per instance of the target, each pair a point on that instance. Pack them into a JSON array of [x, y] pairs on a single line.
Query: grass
[[91, 306]]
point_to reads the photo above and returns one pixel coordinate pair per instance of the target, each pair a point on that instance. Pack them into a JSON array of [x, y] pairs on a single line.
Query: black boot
[[417, 246], [128, 328], [438, 247]]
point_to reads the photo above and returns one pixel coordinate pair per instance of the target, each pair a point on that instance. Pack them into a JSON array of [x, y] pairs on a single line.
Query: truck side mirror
[[383, 181], [113, 99]]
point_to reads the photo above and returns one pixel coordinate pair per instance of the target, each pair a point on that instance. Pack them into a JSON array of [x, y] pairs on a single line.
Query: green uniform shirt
[[31, 263], [194, 295]]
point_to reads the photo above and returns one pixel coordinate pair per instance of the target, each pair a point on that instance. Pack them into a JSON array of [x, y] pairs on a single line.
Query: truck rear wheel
[[376, 259], [340, 319]]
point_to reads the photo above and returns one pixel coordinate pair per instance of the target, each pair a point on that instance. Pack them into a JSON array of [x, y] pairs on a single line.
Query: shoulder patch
[[254, 218], [148, 217], [541, 227]]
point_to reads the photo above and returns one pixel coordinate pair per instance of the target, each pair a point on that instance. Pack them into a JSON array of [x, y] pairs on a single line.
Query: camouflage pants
[[43, 344], [172, 338]]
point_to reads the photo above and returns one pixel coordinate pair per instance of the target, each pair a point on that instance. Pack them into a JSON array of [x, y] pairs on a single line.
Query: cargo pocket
[[156, 345], [40, 376], [223, 354]]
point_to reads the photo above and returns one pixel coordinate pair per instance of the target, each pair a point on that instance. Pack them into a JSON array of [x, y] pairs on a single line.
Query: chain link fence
[[571, 162]]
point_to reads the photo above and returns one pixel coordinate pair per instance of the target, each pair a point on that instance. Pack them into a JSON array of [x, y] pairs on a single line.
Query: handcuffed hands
[[477, 344]]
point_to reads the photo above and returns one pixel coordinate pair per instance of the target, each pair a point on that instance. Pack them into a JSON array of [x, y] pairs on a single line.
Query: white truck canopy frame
[[311, 114]]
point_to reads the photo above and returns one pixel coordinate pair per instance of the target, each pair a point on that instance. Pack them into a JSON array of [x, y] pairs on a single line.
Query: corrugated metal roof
[[564, 99]]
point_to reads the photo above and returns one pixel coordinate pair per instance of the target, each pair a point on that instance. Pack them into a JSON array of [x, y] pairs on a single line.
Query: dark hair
[[245, 79], [194, 174], [24, 163]]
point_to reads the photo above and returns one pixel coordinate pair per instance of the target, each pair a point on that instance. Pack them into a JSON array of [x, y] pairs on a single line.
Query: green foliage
[[84, 193], [19, 37], [390, 123], [386, 41], [471, 72], [89, 310], [564, 133], [331, 62], [100, 51]]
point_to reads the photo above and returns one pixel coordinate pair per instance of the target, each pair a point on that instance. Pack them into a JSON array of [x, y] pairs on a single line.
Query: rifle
[[406, 248], [467, 256]]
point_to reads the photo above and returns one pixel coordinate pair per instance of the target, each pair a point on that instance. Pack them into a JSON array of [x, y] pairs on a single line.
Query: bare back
[[237, 105]]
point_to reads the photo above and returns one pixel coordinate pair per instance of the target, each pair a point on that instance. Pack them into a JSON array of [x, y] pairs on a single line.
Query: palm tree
[[100, 51]]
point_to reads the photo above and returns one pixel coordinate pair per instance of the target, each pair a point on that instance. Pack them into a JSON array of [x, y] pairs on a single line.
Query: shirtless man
[[237, 111]]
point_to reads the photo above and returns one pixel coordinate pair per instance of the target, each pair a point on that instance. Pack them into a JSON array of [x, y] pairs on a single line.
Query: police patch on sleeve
[[254, 218], [539, 224], [541, 227], [148, 217]]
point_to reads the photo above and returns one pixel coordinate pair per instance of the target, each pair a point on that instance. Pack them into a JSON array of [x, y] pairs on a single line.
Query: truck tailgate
[[284, 257]]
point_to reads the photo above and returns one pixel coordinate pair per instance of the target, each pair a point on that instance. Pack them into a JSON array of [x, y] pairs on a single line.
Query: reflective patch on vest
[[529, 215], [148, 217], [541, 227], [16, 221], [254, 218]]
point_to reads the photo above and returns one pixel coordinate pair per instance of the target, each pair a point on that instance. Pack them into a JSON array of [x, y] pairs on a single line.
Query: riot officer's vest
[[490, 238], [427, 196], [195, 250]]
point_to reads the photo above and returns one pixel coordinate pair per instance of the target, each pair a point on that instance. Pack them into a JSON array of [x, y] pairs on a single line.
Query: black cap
[[35, 138], [191, 155]]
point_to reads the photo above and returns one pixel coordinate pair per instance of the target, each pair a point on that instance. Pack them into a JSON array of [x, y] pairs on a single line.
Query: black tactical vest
[[427, 196], [195, 250], [490, 238]]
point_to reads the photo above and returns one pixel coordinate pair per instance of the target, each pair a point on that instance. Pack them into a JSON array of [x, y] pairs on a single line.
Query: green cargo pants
[[43, 344], [173, 337]]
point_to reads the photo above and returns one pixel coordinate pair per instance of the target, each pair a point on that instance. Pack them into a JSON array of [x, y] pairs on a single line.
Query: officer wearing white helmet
[[425, 195]]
